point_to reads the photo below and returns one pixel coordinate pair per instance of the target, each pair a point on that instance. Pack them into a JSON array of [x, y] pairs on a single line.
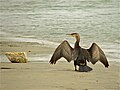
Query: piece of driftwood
[[17, 57]]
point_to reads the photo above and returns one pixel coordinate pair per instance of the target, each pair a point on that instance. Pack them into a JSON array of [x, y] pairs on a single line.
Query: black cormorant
[[79, 55]]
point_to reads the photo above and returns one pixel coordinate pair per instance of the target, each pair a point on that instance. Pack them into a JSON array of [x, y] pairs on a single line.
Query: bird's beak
[[69, 35]]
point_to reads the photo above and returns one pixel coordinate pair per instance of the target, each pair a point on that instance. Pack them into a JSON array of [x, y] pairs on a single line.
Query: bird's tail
[[84, 68]]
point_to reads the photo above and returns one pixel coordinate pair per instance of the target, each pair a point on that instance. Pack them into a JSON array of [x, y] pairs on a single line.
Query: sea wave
[[10, 37]]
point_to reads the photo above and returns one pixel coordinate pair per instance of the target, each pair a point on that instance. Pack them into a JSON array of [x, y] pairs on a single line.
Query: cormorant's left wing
[[63, 50], [96, 54]]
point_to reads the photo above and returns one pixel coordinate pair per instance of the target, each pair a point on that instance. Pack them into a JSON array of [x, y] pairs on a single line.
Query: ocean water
[[48, 21]]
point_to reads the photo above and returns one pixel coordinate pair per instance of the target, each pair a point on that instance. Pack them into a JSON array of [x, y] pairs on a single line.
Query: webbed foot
[[75, 69]]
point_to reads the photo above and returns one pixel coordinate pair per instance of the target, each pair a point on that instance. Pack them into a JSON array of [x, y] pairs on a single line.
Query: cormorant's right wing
[[63, 50]]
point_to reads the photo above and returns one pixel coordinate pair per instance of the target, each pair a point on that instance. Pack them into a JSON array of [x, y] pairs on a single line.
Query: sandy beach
[[43, 76]]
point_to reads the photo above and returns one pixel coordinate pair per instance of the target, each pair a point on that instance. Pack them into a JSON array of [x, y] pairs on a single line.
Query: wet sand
[[43, 76]]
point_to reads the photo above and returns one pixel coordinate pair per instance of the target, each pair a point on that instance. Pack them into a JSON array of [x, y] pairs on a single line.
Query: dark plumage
[[79, 55]]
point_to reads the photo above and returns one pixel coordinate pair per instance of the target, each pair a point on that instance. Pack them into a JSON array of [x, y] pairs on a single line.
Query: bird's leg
[[75, 65], [85, 63]]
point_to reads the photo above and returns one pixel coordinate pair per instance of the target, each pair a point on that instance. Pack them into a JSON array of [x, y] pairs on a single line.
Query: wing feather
[[97, 55], [63, 50]]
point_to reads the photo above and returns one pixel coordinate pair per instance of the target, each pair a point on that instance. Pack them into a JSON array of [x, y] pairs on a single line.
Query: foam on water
[[30, 39]]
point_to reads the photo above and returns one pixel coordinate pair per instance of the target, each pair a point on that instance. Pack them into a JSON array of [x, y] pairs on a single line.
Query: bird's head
[[74, 35]]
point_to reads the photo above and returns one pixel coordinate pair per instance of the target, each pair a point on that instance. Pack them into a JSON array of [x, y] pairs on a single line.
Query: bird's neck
[[77, 42]]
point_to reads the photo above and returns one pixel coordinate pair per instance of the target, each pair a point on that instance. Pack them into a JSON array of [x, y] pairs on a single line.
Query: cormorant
[[79, 55]]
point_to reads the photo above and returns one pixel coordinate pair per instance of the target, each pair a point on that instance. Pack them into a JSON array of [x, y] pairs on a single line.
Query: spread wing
[[63, 50], [96, 54]]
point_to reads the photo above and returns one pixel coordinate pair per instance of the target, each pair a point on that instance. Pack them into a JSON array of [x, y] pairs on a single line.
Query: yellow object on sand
[[17, 57]]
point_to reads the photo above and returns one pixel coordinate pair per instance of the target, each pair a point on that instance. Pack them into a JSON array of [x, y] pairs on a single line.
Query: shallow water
[[48, 21]]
